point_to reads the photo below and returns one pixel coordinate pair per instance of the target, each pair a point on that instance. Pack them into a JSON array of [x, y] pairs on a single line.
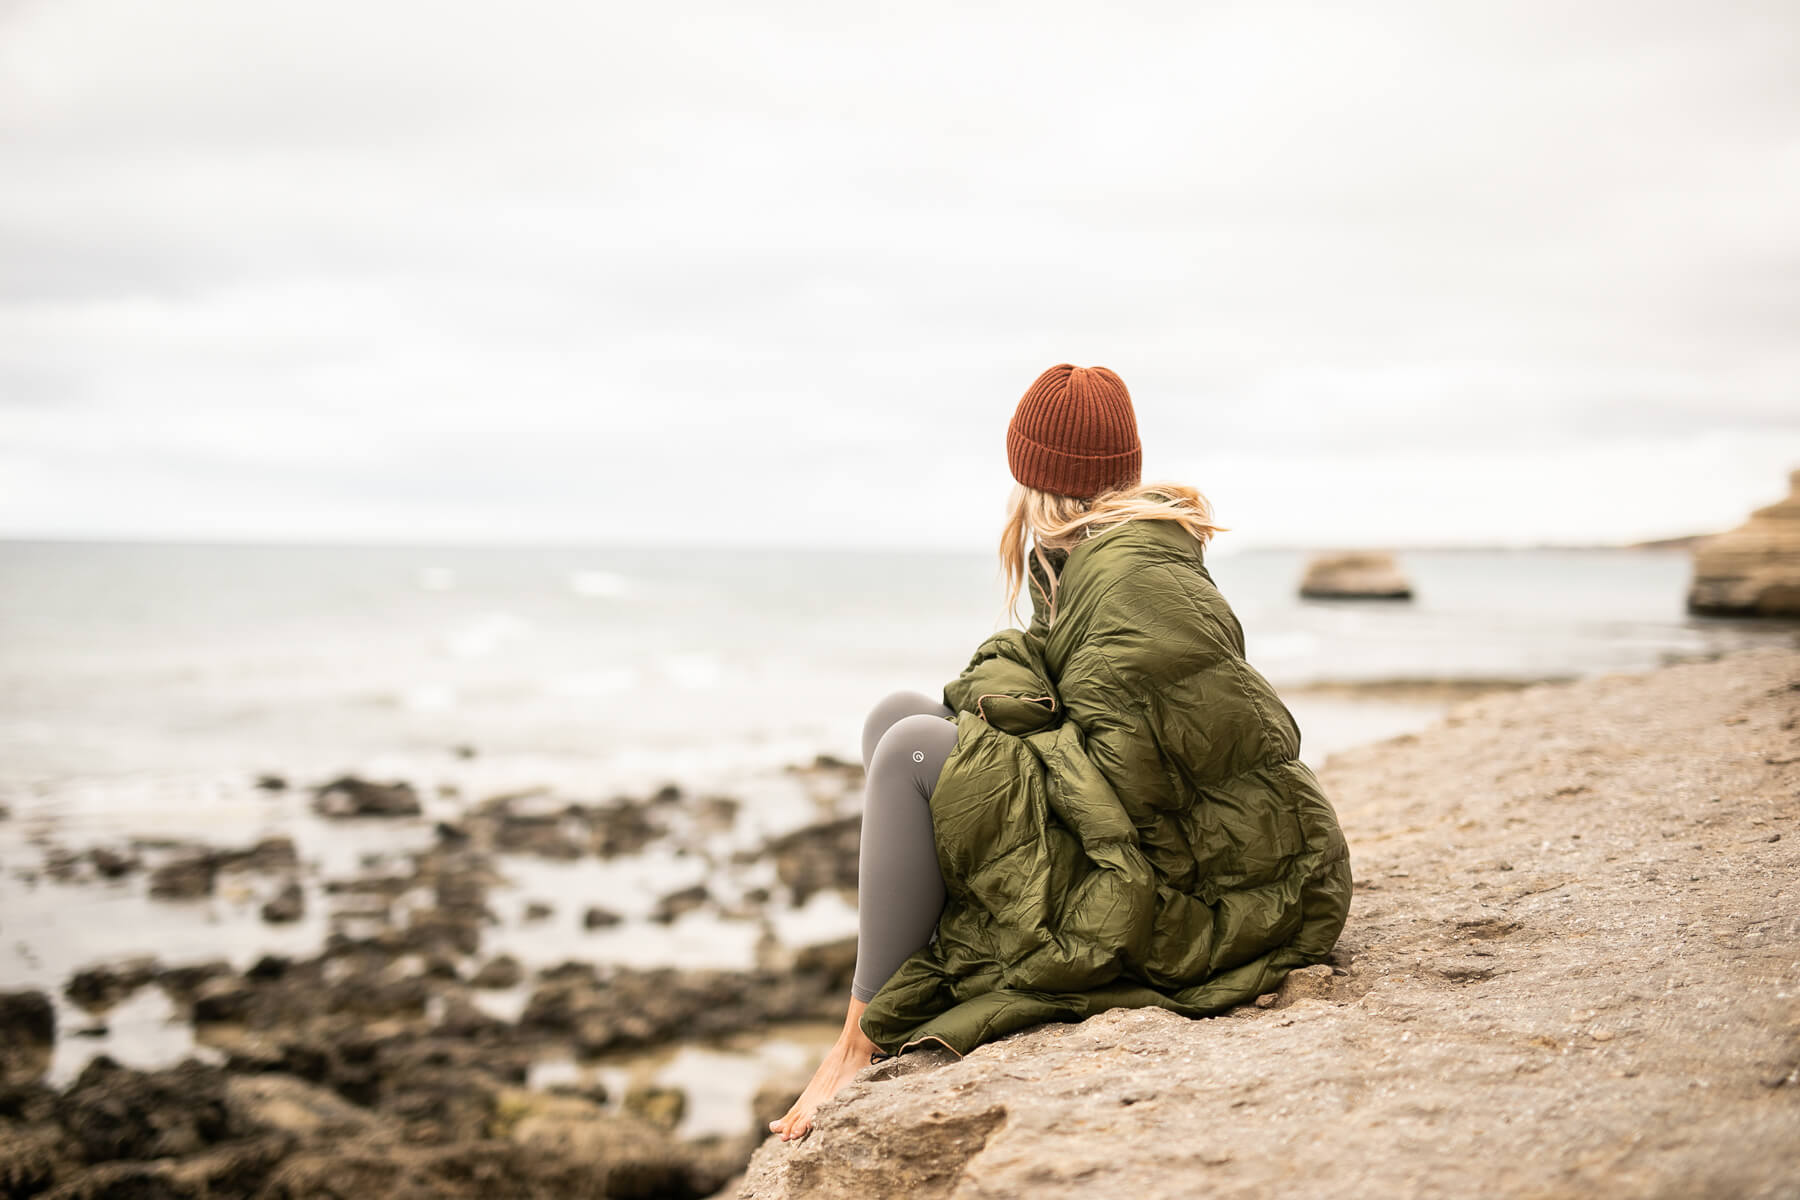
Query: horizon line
[[1678, 542]]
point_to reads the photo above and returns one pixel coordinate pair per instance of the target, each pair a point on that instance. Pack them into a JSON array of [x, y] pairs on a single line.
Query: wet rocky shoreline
[[405, 1055]]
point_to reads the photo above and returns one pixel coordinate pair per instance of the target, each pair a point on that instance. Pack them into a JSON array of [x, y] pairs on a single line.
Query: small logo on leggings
[[918, 756]]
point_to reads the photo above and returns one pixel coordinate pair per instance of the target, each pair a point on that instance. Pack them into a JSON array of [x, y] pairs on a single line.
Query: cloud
[[341, 270]]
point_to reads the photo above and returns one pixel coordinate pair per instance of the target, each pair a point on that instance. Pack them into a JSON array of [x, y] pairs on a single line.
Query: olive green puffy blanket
[[1123, 820]]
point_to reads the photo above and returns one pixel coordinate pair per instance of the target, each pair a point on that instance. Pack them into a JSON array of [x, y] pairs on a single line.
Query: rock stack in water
[[1355, 575], [1754, 570]]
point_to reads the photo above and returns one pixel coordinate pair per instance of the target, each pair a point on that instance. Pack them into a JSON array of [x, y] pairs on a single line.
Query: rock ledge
[[1568, 971]]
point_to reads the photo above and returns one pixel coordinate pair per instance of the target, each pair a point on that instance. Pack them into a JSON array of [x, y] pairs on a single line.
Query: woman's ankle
[[852, 1035]]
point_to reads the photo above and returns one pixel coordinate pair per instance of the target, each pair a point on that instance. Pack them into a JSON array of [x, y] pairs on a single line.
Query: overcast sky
[[778, 273]]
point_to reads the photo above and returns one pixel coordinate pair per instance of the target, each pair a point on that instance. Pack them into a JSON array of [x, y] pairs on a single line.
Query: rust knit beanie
[[1074, 433]]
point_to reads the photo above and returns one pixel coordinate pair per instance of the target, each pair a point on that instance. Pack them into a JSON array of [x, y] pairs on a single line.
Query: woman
[[1107, 808]]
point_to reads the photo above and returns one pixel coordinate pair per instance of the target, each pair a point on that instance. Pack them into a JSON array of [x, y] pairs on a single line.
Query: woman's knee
[[891, 708], [916, 746]]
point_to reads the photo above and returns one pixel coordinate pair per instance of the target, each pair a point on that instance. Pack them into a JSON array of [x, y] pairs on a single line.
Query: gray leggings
[[900, 890]]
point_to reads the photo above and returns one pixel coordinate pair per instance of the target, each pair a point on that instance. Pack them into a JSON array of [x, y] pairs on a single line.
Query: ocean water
[[126, 661]]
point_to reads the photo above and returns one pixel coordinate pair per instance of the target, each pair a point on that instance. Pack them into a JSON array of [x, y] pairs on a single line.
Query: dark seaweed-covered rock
[[434, 931], [628, 1009], [223, 1000], [193, 872], [818, 857], [474, 1170], [441, 967], [270, 854], [463, 891], [376, 995], [111, 1112], [99, 988], [138, 1180], [184, 981], [29, 1160], [27, 1035], [677, 904], [462, 1019], [348, 796], [833, 962], [187, 877], [63, 864], [624, 827], [501, 972], [557, 833], [113, 864], [28, 1103], [236, 1168], [627, 1155], [599, 918], [288, 905], [269, 966], [386, 886], [715, 813]]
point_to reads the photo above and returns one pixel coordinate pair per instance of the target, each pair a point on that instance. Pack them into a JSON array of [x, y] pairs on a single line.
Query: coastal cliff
[[1569, 970], [1754, 570]]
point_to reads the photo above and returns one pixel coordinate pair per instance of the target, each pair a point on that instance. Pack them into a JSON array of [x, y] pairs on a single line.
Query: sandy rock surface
[[1572, 968]]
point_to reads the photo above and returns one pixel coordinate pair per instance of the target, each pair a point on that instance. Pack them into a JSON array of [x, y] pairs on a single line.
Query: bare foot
[[842, 1062]]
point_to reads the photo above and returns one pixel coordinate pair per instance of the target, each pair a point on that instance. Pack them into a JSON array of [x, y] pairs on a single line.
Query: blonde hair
[[1057, 521]]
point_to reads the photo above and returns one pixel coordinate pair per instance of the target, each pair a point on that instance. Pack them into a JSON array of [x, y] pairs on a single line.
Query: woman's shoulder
[[1145, 552], [1155, 593]]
